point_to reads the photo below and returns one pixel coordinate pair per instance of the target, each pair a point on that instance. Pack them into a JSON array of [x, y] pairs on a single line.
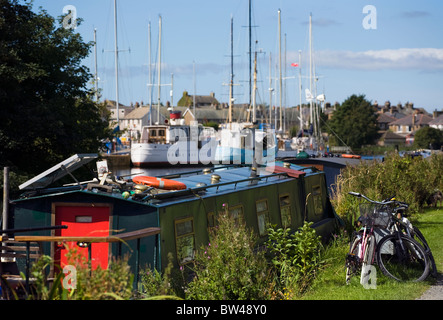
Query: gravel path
[[435, 292]]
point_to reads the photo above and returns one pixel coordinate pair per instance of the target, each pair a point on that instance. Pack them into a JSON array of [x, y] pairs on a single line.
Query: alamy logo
[[70, 20], [225, 147], [369, 277], [70, 279], [370, 20]]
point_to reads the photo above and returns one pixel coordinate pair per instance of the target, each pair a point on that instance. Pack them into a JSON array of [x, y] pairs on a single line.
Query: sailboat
[[173, 142], [244, 142], [308, 143]]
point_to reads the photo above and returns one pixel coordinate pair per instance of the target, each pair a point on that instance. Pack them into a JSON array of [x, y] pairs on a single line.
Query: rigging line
[[336, 135]]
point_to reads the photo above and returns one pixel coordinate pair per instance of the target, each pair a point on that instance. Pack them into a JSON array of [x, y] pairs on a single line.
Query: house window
[[261, 207], [285, 210], [185, 240], [317, 199]]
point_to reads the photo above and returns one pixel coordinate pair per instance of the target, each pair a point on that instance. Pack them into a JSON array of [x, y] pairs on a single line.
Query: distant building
[[437, 122], [410, 123], [200, 101]]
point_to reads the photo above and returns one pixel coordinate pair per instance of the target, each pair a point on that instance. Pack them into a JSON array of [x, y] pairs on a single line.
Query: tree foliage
[[354, 122], [428, 137], [46, 110]]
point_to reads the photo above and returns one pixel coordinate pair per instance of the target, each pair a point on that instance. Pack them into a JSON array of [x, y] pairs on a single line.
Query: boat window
[[161, 132], [285, 210], [211, 220], [236, 212], [185, 240], [262, 216], [317, 198]]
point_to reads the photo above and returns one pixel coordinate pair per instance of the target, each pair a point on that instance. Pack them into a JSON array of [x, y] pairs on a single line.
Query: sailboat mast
[[150, 74], [270, 89], [116, 63], [300, 87], [254, 113], [95, 65], [250, 51], [159, 66], [231, 84], [280, 67], [310, 67]]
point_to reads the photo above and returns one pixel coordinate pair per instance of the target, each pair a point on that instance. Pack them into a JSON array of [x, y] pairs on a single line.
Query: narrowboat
[[109, 217]]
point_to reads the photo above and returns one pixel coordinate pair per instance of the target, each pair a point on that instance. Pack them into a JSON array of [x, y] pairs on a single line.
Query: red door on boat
[[83, 221]]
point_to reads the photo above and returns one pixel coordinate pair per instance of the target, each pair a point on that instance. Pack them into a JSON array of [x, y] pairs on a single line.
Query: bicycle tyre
[[402, 259], [352, 260], [368, 256]]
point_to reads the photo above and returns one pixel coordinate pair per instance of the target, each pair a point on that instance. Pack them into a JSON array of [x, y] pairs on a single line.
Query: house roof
[[420, 120], [437, 121], [384, 118], [389, 135], [138, 113]]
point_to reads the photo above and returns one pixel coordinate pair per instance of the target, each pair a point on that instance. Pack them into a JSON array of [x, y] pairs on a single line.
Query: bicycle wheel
[[353, 263], [368, 257], [402, 258]]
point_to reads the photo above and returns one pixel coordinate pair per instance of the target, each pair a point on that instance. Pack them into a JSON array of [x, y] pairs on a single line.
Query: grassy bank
[[330, 285]]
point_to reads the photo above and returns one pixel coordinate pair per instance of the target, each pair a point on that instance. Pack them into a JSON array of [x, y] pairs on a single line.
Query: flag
[[294, 64]]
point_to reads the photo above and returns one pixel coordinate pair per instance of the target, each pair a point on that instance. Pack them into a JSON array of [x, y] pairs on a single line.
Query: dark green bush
[[411, 180]]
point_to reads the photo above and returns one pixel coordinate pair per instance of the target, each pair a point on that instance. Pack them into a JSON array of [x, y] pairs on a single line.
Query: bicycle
[[362, 249], [397, 254], [400, 225]]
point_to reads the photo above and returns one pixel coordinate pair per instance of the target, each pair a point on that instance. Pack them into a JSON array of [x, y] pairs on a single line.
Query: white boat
[[242, 143], [174, 144]]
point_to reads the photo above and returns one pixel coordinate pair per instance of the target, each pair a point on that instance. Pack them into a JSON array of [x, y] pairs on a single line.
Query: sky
[[386, 50]]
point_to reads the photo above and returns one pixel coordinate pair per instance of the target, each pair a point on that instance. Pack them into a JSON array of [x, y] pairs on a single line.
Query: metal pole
[[5, 199], [159, 65], [279, 63], [116, 62]]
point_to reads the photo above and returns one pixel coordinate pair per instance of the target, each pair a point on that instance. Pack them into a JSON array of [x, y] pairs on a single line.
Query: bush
[[229, 268], [411, 180], [296, 258]]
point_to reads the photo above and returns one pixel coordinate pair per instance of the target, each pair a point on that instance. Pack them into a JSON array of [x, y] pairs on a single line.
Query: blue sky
[[400, 61]]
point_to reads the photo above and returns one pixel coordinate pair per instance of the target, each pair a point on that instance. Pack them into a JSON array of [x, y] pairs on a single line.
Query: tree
[[428, 137], [46, 111], [354, 122]]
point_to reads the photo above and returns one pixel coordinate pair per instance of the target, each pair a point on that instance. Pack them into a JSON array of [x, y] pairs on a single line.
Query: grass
[[330, 285]]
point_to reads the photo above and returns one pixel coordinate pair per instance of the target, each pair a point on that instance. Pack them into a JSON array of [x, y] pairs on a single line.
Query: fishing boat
[[110, 216]]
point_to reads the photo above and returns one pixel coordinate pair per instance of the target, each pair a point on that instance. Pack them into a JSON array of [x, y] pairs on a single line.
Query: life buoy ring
[[159, 183], [351, 156]]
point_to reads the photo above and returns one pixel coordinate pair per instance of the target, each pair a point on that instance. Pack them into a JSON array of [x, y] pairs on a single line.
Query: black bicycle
[[397, 254], [401, 224]]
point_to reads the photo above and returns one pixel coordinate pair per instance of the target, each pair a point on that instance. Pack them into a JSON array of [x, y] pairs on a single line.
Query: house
[[390, 138], [437, 122], [384, 120], [410, 123], [122, 110], [200, 101]]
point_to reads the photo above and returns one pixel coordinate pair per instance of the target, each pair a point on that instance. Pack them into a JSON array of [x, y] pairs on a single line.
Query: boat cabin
[[111, 217]]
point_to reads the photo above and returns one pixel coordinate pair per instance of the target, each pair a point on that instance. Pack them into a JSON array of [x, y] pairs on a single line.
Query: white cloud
[[425, 59]]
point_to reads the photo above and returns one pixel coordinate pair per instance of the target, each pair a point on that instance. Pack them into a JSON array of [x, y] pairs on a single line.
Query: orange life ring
[[352, 156], [159, 183]]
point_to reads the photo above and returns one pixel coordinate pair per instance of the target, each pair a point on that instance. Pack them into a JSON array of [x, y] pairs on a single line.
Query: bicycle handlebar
[[359, 195]]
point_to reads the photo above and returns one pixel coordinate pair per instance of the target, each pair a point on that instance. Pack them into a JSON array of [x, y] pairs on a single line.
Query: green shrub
[[411, 180], [296, 258], [229, 268]]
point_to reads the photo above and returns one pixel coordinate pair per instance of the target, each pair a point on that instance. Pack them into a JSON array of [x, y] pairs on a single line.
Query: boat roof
[[232, 178]]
